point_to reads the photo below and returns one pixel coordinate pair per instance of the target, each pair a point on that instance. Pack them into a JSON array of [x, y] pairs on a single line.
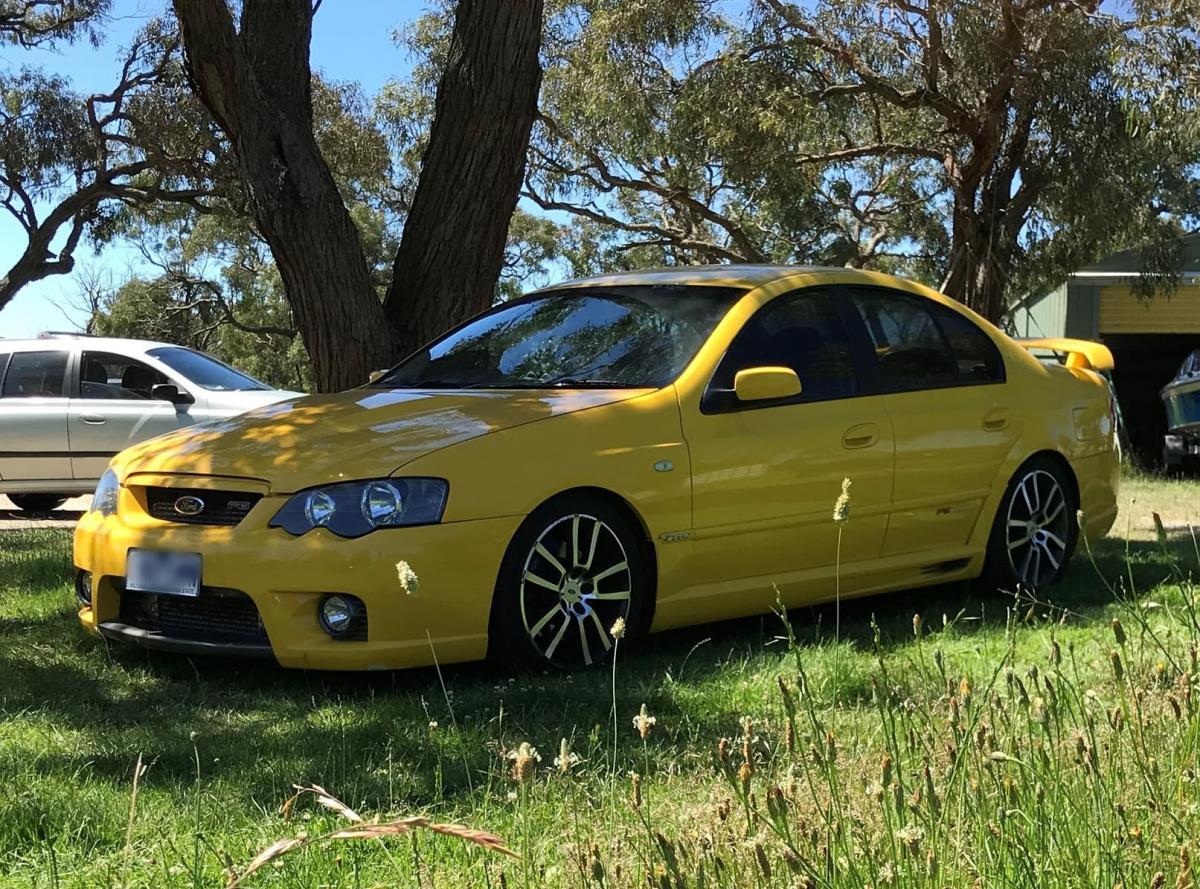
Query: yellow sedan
[[663, 447]]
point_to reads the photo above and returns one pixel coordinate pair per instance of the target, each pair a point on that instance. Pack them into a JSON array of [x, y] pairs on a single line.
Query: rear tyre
[[572, 569], [1036, 529], [37, 502]]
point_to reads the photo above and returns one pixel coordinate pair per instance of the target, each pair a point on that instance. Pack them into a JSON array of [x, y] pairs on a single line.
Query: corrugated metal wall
[[1121, 312]]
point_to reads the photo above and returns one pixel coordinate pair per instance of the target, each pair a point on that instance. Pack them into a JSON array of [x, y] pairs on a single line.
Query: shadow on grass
[[260, 728]]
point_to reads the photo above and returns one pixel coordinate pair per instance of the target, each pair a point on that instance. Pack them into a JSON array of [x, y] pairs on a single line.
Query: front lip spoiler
[[116, 631]]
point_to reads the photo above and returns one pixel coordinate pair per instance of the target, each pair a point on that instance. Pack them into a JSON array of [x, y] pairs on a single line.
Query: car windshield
[[618, 337], [206, 371]]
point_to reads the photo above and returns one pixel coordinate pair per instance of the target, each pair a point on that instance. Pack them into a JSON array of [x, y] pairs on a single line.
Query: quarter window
[[802, 331], [920, 345], [103, 375], [35, 375]]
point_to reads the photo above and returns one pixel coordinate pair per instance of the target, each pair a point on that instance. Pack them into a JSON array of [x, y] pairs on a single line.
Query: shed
[[1149, 338]]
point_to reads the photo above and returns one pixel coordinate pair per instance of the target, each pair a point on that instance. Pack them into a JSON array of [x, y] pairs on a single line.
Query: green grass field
[[993, 742]]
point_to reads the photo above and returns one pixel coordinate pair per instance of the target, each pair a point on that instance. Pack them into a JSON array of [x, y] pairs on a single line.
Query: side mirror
[[766, 383], [170, 392], [375, 375]]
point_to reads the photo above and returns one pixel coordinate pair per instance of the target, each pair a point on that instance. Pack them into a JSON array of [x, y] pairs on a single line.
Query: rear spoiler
[[1080, 353]]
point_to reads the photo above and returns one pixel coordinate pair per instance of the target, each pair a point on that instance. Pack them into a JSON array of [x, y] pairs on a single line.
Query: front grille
[[215, 507], [216, 615]]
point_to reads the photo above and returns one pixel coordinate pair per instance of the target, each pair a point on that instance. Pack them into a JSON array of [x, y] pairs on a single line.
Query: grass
[[991, 742]]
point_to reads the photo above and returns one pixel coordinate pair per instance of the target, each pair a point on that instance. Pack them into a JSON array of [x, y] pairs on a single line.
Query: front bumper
[[446, 617]]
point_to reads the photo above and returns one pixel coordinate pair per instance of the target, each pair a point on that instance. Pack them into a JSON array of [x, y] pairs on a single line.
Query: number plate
[[172, 574]]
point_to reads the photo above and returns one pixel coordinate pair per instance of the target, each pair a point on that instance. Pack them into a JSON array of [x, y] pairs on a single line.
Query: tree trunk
[[452, 249], [257, 85], [979, 267]]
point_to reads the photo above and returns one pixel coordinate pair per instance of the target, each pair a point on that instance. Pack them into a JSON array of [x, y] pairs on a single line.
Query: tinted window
[[36, 375], [977, 357], [205, 371], [632, 337], [802, 331], [910, 349], [108, 376]]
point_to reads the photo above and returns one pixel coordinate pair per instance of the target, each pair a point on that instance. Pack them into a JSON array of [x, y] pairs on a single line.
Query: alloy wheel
[[1037, 529], [575, 583]]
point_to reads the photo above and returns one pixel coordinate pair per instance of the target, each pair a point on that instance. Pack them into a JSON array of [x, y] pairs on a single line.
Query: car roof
[[747, 275], [50, 341]]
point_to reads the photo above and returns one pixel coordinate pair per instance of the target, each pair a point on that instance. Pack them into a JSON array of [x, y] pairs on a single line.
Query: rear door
[[943, 386], [112, 408], [33, 416]]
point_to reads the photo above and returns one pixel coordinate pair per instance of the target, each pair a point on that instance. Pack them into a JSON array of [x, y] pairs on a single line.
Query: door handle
[[92, 420], [996, 419], [861, 436]]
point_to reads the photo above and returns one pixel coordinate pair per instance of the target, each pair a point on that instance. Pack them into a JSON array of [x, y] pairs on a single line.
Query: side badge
[[664, 466]]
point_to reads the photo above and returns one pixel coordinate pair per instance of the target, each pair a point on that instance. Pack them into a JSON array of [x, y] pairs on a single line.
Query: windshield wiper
[[586, 383]]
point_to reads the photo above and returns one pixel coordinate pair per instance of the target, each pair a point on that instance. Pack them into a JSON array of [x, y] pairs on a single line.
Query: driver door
[[766, 475]]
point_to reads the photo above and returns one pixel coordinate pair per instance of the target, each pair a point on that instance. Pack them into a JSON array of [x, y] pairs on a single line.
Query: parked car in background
[[663, 447], [1181, 397], [69, 403]]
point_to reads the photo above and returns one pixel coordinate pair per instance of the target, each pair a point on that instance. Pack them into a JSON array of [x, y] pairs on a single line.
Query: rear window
[[36, 375]]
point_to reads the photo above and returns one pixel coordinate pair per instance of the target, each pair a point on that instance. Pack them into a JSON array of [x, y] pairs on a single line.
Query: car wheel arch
[[636, 521]]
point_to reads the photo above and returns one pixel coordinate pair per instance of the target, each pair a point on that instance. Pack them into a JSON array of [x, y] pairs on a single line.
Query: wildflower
[[747, 738], [644, 723], [874, 791], [887, 874], [525, 759], [964, 690], [1158, 880], [597, 866], [409, 582], [1184, 880], [566, 760], [636, 780], [1118, 631], [618, 629], [841, 509], [745, 773], [761, 858], [433, 726], [1118, 667], [917, 625], [723, 751], [1055, 653], [911, 835]]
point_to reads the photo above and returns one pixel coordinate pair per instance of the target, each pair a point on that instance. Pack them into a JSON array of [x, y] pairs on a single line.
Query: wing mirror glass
[[170, 392], [375, 375], [766, 383]]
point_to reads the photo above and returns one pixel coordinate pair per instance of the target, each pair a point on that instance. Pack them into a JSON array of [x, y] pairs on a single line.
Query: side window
[[802, 331], [107, 376], [978, 358], [35, 375], [3, 365], [910, 350]]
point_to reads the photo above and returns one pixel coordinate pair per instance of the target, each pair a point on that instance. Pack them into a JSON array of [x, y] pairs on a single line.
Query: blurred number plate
[[172, 574]]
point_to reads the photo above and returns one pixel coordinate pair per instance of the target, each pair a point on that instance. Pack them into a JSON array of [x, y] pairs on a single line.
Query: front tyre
[[37, 502], [1036, 530], [573, 568]]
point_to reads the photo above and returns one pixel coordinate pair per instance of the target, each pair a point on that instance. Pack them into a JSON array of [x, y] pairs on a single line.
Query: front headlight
[[104, 501], [352, 509]]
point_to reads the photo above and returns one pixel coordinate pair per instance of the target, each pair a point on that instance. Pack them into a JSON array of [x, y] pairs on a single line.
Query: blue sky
[[352, 40]]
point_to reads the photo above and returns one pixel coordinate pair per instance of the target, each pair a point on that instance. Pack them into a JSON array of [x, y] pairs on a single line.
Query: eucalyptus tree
[[254, 77], [69, 160], [986, 146]]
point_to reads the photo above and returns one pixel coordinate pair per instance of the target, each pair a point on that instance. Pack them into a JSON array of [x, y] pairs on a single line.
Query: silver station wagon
[[69, 402]]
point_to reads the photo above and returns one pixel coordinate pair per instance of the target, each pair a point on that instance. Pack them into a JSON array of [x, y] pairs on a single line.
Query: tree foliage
[[986, 147]]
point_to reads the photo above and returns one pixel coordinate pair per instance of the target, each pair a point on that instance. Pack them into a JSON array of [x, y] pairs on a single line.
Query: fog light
[[83, 587]]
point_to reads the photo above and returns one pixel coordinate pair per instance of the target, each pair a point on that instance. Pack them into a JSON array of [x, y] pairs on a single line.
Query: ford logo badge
[[189, 505]]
